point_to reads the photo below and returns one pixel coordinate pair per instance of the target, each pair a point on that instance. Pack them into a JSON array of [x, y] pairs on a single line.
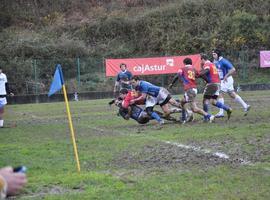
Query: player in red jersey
[[128, 96], [210, 74], [188, 77]]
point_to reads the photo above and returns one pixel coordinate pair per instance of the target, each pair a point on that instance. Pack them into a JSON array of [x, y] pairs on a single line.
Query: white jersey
[[3, 81]]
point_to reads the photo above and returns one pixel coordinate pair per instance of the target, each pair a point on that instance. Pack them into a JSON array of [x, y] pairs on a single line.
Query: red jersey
[[132, 94], [212, 75], [187, 75]]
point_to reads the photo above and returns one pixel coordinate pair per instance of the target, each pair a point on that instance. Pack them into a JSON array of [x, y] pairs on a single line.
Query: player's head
[[135, 81], [123, 92], [216, 53], [204, 58], [187, 61], [123, 66], [118, 103]]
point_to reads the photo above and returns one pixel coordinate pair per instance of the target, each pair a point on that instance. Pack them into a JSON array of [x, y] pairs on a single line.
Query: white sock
[[221, 111], [1, 123], [241, 101]]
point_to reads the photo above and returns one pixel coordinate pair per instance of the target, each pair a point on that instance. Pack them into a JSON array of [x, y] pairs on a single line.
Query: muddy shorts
[[150, 101], [211, 91], [163, 96], [190, 95]]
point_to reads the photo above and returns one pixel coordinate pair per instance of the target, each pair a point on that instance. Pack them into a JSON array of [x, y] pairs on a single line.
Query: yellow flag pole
[[71, 130]]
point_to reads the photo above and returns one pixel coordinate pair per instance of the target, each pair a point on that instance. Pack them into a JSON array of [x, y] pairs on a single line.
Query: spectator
[[4, 90], [11, 182]]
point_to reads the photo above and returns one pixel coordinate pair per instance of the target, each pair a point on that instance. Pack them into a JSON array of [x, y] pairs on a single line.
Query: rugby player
[[187, 75], [137, 113], [123, 79], [133, 97], [161, 96], [226, 70], [211, 91]]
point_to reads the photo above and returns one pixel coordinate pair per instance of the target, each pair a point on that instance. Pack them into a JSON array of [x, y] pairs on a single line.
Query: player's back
[[212, 75], [223, 66], [148, 88], [187, 75], [132, 94]]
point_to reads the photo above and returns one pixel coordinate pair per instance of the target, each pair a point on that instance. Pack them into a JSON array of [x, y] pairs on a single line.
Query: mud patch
[[164, 155], [52, 190], [252, 148]]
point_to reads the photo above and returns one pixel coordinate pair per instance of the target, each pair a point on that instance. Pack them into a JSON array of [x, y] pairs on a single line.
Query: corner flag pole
[[57, 84], [71, 129]]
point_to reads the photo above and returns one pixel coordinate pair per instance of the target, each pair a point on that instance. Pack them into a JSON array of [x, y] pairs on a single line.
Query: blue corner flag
[[58, 80]]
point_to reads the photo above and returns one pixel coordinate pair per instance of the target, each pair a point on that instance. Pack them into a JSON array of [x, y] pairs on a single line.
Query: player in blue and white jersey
[[161, 96], [226, 70], [123, 79]]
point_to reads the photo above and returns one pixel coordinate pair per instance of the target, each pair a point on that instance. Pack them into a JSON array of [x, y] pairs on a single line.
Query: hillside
[[35, 35]]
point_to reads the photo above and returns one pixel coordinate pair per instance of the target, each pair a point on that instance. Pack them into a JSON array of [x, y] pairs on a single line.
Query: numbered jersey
[[212, 75], [187, 75]]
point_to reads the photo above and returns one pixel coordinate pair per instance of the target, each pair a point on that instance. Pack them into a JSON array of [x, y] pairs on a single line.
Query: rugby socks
[[184, 116], [221, 111], [206, 109], [241, 101], [207, 116], [155, 116], [222, 106], [1, 123]]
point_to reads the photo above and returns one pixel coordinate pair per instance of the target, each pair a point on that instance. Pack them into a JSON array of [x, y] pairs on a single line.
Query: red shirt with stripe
[[187, 75], [212, 75]]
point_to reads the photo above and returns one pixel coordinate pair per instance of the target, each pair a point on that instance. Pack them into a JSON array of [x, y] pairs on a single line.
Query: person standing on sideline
[[225, 71], [4, 90], [123, 79]]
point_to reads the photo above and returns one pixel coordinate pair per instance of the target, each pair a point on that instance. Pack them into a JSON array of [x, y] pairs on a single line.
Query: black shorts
[[211, 91], [166, 100]]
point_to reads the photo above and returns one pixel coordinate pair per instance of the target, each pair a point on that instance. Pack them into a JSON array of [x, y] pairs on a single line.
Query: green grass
[[40, 139]]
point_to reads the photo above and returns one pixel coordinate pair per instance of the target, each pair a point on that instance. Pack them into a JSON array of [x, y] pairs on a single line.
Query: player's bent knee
[[149, 110]]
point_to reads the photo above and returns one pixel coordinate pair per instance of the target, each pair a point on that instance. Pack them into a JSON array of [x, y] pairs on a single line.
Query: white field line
[[206, 151], [194, 148]]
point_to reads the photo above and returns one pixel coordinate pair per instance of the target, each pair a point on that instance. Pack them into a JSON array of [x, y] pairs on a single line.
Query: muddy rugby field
[[124, 160]]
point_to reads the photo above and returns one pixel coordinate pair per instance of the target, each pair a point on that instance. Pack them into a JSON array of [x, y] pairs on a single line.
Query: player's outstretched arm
[[175, 78]]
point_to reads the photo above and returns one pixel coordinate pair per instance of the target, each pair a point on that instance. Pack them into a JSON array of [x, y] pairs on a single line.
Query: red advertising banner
[[148, 66]]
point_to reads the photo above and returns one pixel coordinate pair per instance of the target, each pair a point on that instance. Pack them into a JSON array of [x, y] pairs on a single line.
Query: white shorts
[[227, 86], [3, 102], [150, 101], [190, 94], [162, 95]]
